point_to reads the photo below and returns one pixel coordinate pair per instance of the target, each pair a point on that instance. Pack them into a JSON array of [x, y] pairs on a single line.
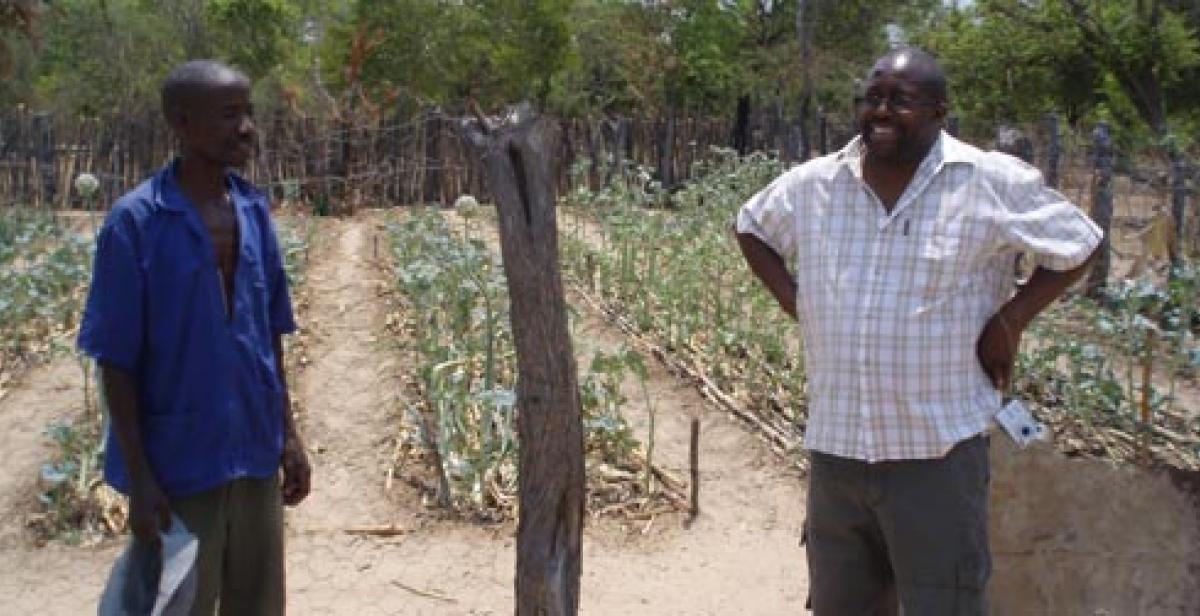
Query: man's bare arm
[[771, 269], [1001, 336], [148, 507], [297, 473]]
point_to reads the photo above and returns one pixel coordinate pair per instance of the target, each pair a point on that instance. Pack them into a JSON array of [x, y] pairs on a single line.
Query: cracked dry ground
[[740, 556]]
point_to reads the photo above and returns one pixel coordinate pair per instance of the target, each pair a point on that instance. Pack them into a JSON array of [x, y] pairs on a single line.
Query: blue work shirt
[[211, 399]]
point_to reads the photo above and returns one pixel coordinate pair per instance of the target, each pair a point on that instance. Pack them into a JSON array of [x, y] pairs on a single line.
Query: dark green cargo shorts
[[904, 537]]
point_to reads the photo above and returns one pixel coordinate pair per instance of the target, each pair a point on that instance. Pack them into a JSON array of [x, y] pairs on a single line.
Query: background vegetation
[[1136, 63]]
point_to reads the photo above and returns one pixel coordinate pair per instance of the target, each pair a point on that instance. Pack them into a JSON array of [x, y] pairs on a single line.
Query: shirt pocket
[[943, 258]]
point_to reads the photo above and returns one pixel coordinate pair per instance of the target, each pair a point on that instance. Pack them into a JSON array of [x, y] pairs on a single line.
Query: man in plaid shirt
[[904, 244]]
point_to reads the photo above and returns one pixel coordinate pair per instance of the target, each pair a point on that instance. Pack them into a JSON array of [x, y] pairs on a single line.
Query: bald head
[[191, 80], [916, 65]]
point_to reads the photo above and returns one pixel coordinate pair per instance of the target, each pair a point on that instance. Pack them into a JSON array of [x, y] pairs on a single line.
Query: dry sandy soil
[[741, 556]]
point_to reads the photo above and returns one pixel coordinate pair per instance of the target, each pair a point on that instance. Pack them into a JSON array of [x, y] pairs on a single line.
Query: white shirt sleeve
[[770, 216], [1040, 220]]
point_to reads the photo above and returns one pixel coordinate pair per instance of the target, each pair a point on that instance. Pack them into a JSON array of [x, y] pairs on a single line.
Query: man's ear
[[941, 110], [177, 119]]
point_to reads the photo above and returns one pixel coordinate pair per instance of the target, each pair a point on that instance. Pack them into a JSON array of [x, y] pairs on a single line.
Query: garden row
[[450, 316], [675, 280]]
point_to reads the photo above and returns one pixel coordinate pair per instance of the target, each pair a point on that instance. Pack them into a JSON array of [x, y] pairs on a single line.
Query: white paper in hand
[[1020, 424], [147, 581]]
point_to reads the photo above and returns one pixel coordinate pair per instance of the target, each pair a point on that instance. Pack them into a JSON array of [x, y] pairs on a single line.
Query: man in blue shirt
[[185, 313]]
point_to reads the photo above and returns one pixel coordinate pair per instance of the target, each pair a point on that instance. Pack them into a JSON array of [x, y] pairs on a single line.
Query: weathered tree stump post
[[518, 160], [1102, 206]]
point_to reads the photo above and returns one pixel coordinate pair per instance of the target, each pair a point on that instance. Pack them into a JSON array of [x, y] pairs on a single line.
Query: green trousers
[[239, 528]]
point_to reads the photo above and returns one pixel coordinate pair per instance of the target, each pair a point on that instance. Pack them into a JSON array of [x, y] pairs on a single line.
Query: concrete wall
[[1075, 536]]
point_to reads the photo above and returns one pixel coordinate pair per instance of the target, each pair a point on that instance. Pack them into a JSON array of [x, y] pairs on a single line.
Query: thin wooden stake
[[694, 461], [1147, 372]]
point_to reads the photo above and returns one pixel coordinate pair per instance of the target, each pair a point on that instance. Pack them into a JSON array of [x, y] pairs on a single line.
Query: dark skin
[[901, 120], [216, 131]]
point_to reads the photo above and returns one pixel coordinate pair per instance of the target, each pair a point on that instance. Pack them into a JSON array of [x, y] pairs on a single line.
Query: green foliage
[[676, 277], [607, 433], [256, 34], [295, 237], [435, 53], [1011, 60], [72, 497], [1004, 70], [41, 283], [454, 291], [1008, 60], [89, 46]]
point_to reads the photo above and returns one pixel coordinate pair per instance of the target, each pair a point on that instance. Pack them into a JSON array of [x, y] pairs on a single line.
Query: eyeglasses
[[898, 103]]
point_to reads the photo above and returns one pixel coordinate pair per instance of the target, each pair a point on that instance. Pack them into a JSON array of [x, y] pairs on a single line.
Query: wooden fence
[[394, 160], [334, 163]]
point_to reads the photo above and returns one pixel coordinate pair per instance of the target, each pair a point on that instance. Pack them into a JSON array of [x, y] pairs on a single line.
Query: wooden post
[[1144, 417], [806, 18], [1053, 149], [741, 128], [823, 131], [1179, 195], [694, 464], [116, 159], [432, 181], [666, 146], [520, 170], [44, 132], [1102, 206]]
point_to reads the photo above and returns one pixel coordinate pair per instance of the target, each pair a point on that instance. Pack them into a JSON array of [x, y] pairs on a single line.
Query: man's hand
[[297, 474], [997, 350], [149, 512]]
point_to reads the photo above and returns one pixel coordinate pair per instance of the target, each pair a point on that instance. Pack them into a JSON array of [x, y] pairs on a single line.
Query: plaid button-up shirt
[[891, 304]]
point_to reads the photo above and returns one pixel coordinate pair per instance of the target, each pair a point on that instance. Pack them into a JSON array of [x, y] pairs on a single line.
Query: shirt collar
[[945, 150], [169, 196]]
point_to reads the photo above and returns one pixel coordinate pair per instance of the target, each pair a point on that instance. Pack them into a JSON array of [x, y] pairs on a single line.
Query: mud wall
[[1075, 536]]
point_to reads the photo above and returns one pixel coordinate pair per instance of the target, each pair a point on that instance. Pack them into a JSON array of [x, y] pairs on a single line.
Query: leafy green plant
[[677, 278], [452, 291]]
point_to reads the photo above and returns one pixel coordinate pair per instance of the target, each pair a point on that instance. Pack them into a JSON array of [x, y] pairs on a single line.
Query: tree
[[1016, 59], [432, 53], [519, 161], [1141, 57], [89, 46], [20, 18], [257, 35]]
